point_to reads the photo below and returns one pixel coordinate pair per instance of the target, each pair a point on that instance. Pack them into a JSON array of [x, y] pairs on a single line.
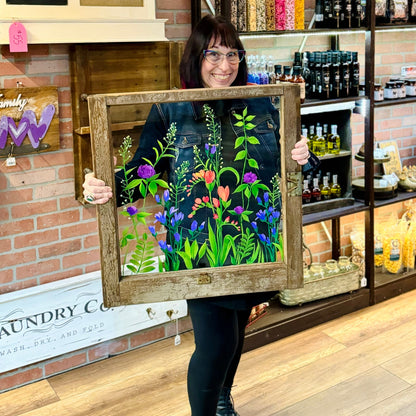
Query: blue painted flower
[[266, 196], [264, 239], [145, 171], [273, 231], [261, 215], [161, 217], [276, 214], [177, 237], [249, 177], [132, 210], [152, 230], [259, 201], [194, 225], [157, 199], [166, 196], [254, 225], [165, 247], [207, 147], [201, 227]]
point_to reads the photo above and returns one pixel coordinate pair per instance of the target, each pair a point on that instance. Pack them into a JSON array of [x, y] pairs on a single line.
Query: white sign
[[56, 318]]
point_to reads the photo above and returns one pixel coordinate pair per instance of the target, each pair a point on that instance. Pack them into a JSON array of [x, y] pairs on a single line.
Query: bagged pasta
[[398, 11], [409, 247], [393, 248]]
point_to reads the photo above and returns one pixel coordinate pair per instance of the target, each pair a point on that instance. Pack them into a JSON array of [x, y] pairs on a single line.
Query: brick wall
[[46, 235]]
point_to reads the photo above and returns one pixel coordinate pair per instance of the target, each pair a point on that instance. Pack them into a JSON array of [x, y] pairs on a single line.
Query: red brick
[[177, 32], [402, 111], [52, 190], [68, 202], [48, 66], [66, 172], [60, 248], [91, 241], [166, 15], [66, 363], [33, 208], [77, 230], [410, 58], [59, 49], [18, 258], [53, 159], [37, 269], [9, 68], [62, 80], [13, 287], [36, 238], [65, 127], [57, 219], [400, 133], [16, 227], [177, 5], [65, 111], [10, 380], [108, 349], [32, 178], [390, 124], [55, 277], [6, 276], [12, 197], [81, 258], [28, 82], [23, 164], [183, 17], [66, 142], [4, 214], [64, 96], [145, 337]]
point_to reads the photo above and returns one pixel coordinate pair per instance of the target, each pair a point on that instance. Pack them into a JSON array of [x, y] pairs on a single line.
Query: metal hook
[[171, 312], [150, 313]]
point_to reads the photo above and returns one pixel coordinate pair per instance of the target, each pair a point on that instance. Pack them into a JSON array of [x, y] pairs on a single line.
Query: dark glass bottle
[[326, 70], [345, 75], [356, 13], [306, 73], [278, 72], [298, 79], [346, 13], [297, 60], [355, 75], [328, 14], [335, 75], [316, 191], [336, 14], [319, 14], [286, 77], [312, 84], [318, 75]]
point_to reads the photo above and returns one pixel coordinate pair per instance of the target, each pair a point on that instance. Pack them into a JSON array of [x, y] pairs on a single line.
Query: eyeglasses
[[216, 57]]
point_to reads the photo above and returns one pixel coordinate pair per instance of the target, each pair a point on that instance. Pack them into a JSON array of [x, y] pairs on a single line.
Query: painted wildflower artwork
[[226, 224]]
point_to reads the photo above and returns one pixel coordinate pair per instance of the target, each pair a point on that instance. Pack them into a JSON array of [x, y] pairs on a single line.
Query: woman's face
[[221, 74]]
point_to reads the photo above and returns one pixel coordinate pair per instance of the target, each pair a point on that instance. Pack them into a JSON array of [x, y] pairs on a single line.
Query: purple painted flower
[[145, 171], [239, 210], [166, 196], [207, 147], [132, 210], [213, 149], [250, 177]]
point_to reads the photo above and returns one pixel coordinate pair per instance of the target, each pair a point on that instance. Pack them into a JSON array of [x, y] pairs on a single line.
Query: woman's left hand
[[301, 152]]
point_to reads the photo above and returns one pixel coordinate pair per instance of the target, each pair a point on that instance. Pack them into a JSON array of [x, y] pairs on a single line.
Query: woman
[[213, 58]]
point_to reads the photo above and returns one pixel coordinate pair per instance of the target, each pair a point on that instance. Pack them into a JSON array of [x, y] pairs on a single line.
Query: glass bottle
[[335, 75], [306, 193], [278, 72], [311, 135], [335, 188], [345, 75], [346, 13], [325, 190], [318, 144], [311, 66], [356, 13], [286, 77], [325, 68], [336, 13], [298, 79], [334, 141], [318, 75], [316, 191], [328, 14], [355, 75], [319, 14]]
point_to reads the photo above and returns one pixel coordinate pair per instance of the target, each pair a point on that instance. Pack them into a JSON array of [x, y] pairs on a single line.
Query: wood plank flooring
[[362, 364]]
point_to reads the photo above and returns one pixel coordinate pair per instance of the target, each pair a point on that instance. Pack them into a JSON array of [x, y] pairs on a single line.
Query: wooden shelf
[[400, 101]]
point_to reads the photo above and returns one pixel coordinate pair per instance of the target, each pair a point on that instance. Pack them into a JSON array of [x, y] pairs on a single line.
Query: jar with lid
[[401, 89], [344, 264], [390, 91], [316, 271], [378, 92], [331, 267], [410, 85]]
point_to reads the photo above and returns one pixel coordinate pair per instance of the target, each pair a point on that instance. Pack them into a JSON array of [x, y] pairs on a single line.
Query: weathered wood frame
[[205, 282]]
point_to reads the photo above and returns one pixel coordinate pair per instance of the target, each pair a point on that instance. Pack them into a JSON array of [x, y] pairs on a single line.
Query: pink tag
[[17, 37]]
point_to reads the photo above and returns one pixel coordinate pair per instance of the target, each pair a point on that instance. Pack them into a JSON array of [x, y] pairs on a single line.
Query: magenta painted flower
[[132, 210], [145, 171], [250, 177], [239, 210]]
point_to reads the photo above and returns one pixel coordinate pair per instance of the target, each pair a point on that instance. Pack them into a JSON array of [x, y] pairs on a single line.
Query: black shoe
[[225, 406]]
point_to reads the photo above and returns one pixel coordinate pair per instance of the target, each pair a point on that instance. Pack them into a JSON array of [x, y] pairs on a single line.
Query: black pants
[[219, 337]]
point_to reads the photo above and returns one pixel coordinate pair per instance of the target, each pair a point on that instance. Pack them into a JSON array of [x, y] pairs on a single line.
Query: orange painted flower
[[223, 193], [215, 202], [205, 199], [209, 176]]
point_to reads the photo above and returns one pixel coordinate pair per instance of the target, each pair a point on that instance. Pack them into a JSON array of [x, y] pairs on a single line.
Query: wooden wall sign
[[160, 281], [29, 120]]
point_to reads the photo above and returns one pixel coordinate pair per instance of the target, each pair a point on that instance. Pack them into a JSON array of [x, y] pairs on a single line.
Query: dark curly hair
[[209, 27]]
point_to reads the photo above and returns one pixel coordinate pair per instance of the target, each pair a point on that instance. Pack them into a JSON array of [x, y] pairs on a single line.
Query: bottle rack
[[280, 321]]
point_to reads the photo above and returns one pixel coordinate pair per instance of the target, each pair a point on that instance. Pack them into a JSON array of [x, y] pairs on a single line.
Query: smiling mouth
[[220, 77]]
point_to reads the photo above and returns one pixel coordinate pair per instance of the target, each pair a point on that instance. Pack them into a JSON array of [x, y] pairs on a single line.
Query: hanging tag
[[363, 282], [17, 37], [178, 337], [11, 160]]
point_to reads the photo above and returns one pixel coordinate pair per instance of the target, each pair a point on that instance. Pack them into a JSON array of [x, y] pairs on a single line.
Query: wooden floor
[[361, 364]]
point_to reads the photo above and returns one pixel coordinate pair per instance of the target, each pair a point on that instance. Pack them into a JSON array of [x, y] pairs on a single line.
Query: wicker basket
[[322, 288]]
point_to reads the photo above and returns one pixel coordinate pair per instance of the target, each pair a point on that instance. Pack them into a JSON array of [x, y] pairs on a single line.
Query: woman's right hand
[[95, 190]]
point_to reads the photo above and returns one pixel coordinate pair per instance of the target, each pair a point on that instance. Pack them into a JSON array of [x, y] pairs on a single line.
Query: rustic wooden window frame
[[205, 282]]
